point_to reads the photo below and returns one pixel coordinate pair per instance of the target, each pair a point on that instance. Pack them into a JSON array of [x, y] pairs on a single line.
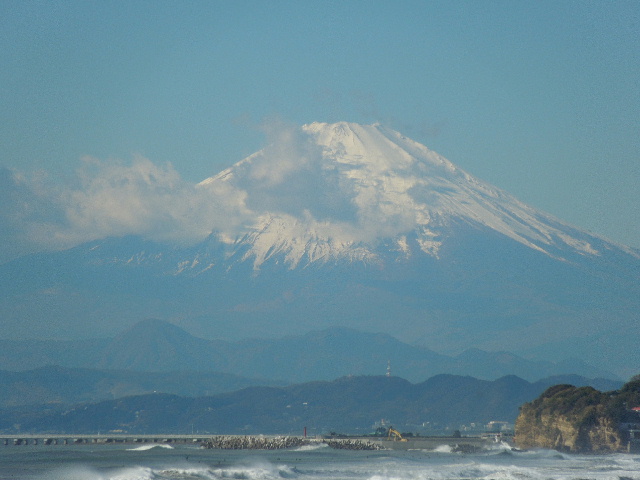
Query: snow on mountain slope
[[334, 191]]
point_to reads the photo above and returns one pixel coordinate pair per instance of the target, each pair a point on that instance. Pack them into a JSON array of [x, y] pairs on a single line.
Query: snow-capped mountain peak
[[326, 192]]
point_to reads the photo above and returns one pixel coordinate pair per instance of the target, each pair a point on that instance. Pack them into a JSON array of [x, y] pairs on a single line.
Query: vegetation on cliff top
[[580, 419]]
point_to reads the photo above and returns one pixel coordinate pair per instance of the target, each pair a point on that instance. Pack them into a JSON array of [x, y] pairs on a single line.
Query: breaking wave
[[313, 446], [443, 449], [321, 463], [143, 448], [256, 472]]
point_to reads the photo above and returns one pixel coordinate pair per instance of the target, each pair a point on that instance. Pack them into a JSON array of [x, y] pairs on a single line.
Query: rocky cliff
[[582, 419]]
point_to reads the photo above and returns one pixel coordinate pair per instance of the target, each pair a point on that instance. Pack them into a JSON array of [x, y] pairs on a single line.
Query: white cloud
[[289, 179], [288, 151], [28, 212], [149, 200], [111, 198]]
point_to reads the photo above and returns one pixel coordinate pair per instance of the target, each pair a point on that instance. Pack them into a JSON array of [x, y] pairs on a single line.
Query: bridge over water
[[71, 439]]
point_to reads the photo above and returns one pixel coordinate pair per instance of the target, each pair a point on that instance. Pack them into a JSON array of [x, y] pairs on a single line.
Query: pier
[[73, 439]]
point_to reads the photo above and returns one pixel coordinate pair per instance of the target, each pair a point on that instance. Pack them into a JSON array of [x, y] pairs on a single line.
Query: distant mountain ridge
[[158, 346], [351, 404], [59, 387]]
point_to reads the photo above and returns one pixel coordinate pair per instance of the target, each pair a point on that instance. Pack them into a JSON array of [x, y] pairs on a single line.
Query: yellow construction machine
[[395, 435]]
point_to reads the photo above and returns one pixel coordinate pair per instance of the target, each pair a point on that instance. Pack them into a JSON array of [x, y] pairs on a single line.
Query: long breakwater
[[253, 442]]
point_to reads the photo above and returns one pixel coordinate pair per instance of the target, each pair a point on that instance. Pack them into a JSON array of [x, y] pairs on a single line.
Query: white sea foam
[[142, 448], [502, 446], [443, 449], [313, 446], [90, 473], [131, 473], [182, 463], [519, 466], [255, 471], [187, 473]]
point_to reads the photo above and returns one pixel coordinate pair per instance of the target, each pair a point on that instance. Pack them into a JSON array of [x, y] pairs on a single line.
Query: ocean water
[[126, 462]]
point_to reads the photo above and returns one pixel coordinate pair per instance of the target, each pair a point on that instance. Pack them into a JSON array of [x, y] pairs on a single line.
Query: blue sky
[[539, 98]]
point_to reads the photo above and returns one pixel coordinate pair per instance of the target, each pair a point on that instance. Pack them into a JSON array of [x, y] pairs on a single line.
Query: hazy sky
[[540, 98]]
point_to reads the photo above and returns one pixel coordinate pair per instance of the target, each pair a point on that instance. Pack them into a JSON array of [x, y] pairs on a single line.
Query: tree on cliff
[[579, 419]]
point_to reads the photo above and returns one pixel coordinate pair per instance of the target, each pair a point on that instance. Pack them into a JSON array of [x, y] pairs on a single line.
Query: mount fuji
[[356, 226], [363, 184]]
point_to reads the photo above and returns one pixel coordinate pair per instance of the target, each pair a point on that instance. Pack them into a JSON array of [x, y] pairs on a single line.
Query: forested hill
[[348, 405], [580, 419]]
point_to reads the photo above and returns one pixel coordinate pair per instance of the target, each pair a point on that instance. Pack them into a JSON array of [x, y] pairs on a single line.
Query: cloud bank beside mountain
[[286, 179], [111, 198], [141, 198]]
